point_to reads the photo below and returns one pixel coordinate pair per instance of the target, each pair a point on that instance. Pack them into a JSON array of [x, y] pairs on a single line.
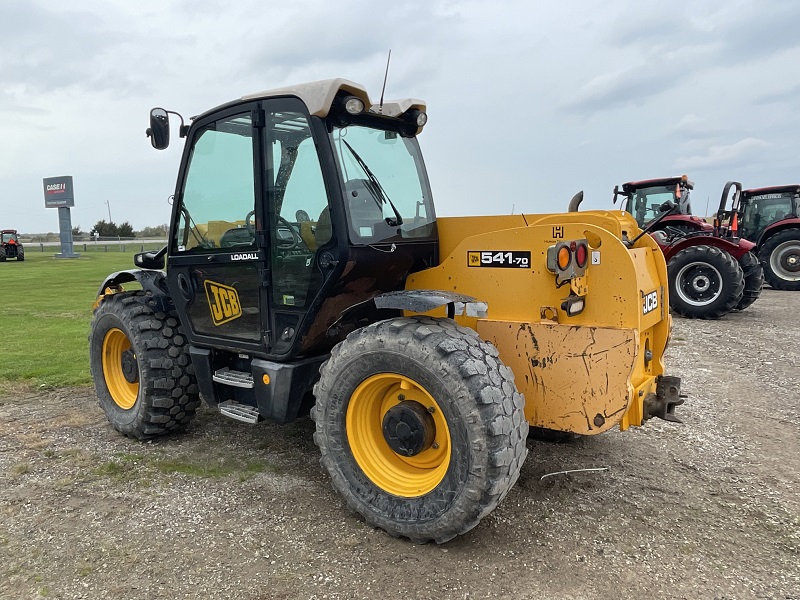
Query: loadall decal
[[223, 301], [499, 258]]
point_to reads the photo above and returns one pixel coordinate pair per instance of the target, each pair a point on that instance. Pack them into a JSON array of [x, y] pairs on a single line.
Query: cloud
[[732, 155]]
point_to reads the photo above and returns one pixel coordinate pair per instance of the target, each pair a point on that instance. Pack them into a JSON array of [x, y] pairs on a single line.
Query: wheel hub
[[409, 428], [130, 370], [701, 283]]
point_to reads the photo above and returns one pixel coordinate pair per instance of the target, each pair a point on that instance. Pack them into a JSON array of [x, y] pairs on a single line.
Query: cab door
[[217, 255]]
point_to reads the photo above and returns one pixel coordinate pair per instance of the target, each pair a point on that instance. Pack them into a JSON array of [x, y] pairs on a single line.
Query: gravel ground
[[706, 509]]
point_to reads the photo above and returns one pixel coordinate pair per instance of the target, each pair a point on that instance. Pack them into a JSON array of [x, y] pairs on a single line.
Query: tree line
[[109, 229]]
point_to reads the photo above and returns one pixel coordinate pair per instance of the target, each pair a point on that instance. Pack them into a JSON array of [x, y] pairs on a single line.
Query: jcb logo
[[223, 301], [650, 302]]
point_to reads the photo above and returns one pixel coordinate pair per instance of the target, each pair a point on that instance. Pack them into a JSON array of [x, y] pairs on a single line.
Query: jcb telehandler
[[306, 269]]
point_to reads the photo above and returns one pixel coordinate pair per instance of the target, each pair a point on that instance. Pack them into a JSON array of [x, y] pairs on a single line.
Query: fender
[[153, 282], [734, 249], [422, 301], [772, 229]]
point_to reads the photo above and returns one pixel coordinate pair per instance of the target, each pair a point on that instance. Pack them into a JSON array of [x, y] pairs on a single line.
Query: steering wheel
[[281, 224], [286, 244]]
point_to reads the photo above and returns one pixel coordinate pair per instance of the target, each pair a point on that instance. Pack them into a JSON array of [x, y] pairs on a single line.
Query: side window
[[302, 220], [219, 190]]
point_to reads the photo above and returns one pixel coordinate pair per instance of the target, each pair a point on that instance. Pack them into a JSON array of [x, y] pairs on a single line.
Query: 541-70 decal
[[508, 259]]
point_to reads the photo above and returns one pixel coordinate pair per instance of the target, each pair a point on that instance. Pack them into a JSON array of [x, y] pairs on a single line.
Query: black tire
[[2, 254], [481, 421], [141, 367], [781, 257], [704, 282], [753, 280], [20, 254]]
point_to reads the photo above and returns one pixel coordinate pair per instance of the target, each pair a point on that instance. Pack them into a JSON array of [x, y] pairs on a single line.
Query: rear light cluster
[[568, 259]]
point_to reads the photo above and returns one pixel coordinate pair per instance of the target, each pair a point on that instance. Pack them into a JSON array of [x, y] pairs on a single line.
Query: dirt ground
[[706, 509]]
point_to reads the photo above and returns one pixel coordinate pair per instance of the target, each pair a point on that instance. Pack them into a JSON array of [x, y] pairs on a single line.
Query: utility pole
[[108, 203]]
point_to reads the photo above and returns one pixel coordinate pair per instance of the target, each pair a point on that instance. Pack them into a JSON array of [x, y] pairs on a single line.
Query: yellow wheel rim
[[123, 392], [406, 476]]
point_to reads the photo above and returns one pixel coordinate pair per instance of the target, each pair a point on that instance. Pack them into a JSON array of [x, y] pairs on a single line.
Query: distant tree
[[125, 230], [76, 231], [104, 229]]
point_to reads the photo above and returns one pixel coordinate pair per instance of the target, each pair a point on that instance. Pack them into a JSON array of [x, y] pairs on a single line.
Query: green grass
[[45, 314]]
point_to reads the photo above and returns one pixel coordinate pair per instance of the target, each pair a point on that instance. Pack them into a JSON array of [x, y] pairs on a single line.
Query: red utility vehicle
[[770, 217], [10, 246], [709, 274]]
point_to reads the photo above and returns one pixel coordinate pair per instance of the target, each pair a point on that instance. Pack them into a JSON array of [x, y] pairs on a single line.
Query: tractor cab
[[762, 207], [648, 200]]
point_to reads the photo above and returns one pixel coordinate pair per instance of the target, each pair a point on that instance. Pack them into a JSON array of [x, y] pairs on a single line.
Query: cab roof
[[318, 96], [772, 190], [635, 185]]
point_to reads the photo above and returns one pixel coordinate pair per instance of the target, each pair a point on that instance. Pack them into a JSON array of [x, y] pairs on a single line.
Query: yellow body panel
[[601, 353]]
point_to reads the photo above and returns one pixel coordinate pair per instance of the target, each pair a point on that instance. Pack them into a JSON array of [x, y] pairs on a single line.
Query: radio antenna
[[385, 77]]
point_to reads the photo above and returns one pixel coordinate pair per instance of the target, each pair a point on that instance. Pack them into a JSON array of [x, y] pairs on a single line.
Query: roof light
[[354, 106]]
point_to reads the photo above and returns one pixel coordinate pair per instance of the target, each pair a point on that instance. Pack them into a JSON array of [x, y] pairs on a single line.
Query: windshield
[[387, 197], [644, 204], [760, 211]]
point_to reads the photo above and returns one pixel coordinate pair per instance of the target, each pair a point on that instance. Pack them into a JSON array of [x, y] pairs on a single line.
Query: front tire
[[141, 367], [420, 425], [704, 282], [781, 257]]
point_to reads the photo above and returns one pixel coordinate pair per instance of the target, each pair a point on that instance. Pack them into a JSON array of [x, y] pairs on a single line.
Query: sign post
[[58, 193]]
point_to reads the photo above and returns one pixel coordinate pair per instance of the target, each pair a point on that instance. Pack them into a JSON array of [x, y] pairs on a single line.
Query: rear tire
[[704, 282], [753, 280], [141, 367], [470, 452], [781, 257], [20, 254]]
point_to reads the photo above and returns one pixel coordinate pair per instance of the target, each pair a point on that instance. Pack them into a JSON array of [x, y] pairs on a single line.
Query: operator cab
[[293, 206], [645, 199], [761, 207]]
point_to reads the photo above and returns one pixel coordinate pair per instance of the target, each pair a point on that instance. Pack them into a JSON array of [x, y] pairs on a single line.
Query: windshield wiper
[[375, 188]]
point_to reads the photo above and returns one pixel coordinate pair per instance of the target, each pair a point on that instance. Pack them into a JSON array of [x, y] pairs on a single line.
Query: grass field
[[45, 315]]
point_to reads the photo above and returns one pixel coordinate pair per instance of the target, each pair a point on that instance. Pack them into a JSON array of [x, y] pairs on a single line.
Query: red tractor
[[709, 274], [770, 217], [10, 246]]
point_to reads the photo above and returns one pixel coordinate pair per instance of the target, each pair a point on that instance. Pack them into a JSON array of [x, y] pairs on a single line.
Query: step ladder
[[228, 376], [240, 412]]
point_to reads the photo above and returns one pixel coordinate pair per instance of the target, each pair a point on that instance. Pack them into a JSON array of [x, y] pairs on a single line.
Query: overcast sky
[[528, 101]]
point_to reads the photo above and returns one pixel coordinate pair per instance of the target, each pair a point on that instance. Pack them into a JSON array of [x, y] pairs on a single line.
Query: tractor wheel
[[20, 254], [753, 280], [2, 254], [141, 367], [781, 257], [704, 282], [420, 425]]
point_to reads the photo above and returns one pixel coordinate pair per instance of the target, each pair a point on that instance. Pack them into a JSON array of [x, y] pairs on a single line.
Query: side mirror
[[158, 132], [667, 206]]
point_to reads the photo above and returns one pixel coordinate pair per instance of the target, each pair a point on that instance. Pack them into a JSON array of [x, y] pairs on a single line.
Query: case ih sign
[[58, 192]]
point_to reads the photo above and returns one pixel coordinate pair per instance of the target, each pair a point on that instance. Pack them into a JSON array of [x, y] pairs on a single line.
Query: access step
[[235, 378], [240, 412]]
